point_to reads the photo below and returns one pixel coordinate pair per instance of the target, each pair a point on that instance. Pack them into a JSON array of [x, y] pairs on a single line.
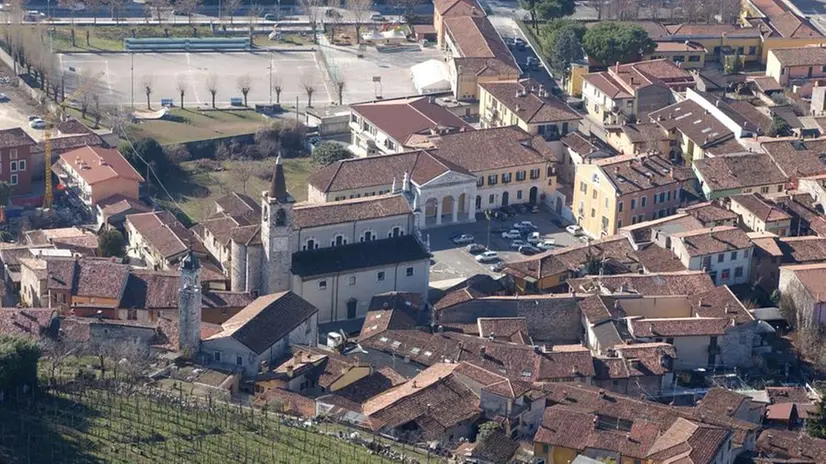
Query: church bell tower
[[276, 233]]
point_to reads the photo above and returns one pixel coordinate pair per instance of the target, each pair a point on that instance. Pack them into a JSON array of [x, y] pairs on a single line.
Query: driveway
[[453, 262]]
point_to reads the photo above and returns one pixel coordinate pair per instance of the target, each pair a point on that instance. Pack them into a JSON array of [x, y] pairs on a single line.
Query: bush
[[18, 362], [178, 153], [112, 243], [330, 152], [282, 136]]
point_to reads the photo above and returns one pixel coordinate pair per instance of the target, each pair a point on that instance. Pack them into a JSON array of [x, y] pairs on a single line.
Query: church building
[[336, 256]]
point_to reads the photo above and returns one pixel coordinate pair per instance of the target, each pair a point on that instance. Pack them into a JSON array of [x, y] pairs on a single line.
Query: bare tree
[[729, 11], [407, 6], [187, 7], [146, 83], [115, 9], [230, 6], [96, 108], [56, 351], [243, 171], [361, 11], [278, 87], [311, 9], [339, 84], [212, 86], [244, 86], [131, 359], [84, 98], [309, 88], [182, 91], [254, 13]]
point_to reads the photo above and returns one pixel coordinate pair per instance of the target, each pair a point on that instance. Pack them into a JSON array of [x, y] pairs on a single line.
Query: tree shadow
[[45, 428]]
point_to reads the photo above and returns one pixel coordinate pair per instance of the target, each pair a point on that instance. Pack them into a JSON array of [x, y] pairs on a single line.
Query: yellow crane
[[52, 118]]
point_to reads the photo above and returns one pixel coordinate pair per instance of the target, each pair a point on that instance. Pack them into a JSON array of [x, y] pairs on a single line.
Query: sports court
[[377, 73]]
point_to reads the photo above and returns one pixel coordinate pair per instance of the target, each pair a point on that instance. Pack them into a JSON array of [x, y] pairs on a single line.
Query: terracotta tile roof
[[246, 235], [812, 276], [100, 278], [693, 121], [786, 444], [119, 204], [267, 320], [679, 327], [25, 322], [686, 46], [73, 126], [652, 72], [690, 443], [309, 215], [237, 204], [513, 329], [644, 359], [739, 171], [458, 7], [404, 118], [594, 309], [657, 259], [579, 144], [788, 395], [643, 232], [96, 164], [287, 402], [64, 143], [750, 113], [476, 286], [495, 447], [767, 245], [398, 317], [221, 299], [643, 132], [147, 289], [358, 256], [475, 37], [710, 30], [523, 99], [713, 240], [722, 402], [164, 232], [608, 85], [379, 171], [222, 227], [479, 150], [766, 212], [719, 302], [374, 384], [708, 213], [614, 251], [766, 83], [14, 137], [798, 158], [633, 173]]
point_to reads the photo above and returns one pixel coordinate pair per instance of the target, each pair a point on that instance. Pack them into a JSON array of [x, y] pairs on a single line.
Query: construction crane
[[52, 118]]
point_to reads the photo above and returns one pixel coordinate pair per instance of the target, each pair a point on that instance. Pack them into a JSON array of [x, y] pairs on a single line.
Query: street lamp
[[270, 68]]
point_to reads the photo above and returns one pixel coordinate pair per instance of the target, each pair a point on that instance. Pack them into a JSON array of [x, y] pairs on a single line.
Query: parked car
[[270, 17], [37, 123], [525, 225], [487, 257], [516, 244], [500, 230], [546, 244], [463, 239], [4, 97], [507, 210], [534, 209], [534, 237], [574, 229], [521, 208], [528, 250], [497, 267], [377, 17], [513, 233], [475, 248], [519, 43]]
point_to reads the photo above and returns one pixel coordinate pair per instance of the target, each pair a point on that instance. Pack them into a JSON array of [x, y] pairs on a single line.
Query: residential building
[[394, 126], [68, 135], [80, 241], [336, 255], [579, 149], [643, 139], [111, 212], [724, 252], [262, 332], [798, 159], [549, 272], [158, 239], [725, 176], [475, 54], [95, 173], [614, 192], [693, 130], [232, 212], [711, 214], [802, 287], [780, 25], [312, 371], [654, 284], [659, 231], [640, 369], [720, 40], [15, 160], [527, 104], [629, 92], [765, 261], [760, 216], [688, 54], [729, 113], [798, 64], [451, 9], [790, 446]]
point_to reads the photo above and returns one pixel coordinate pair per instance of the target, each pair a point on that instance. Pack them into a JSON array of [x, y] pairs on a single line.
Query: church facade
[[336, 256]]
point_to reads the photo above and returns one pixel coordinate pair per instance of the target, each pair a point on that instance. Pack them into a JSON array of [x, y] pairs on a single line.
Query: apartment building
[[688, 54], [760, 216], [725, 176], [628, 92], [394, 126], [724, 252], [95, 173], [527, 104], [15, 160], [624, 190]]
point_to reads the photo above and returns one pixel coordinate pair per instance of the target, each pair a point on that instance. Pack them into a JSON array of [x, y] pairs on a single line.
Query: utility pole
[[132, 78], [270, 78], [296, 109]]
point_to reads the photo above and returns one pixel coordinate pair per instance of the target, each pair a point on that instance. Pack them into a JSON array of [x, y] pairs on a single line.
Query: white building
[[724, 252], [335, 255], [263, 332]]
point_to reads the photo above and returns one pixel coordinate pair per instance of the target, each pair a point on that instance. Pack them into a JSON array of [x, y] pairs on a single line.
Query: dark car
[[528, 250]]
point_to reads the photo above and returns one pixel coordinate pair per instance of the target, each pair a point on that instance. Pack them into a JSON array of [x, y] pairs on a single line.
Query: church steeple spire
[[278, 186]]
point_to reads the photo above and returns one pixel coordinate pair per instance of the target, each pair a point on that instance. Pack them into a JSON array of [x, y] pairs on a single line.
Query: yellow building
[[720, 39], [476, 54], [624, 190], [688, 54], [641, 138], [526, 104], [800, 63], [573, 82], [780, 27]]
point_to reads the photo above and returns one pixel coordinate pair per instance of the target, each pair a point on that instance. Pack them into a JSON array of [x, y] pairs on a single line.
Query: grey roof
[[267, 320], [358, 256]]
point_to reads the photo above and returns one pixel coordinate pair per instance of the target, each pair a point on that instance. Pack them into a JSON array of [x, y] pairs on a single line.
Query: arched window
[[396, 232], [310, 244], [280, 218], [339, 241], [368, 236]]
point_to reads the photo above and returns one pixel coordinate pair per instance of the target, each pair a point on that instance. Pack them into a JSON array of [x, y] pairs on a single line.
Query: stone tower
[[189, 306], [276, 233]]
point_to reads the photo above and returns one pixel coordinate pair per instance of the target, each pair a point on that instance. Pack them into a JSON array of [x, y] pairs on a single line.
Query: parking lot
[[453, 261]]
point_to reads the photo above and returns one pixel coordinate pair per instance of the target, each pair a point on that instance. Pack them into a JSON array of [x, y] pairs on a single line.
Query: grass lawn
[[110, 38], [197, 192], [262, 40], [186, 125], [92, 425]]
